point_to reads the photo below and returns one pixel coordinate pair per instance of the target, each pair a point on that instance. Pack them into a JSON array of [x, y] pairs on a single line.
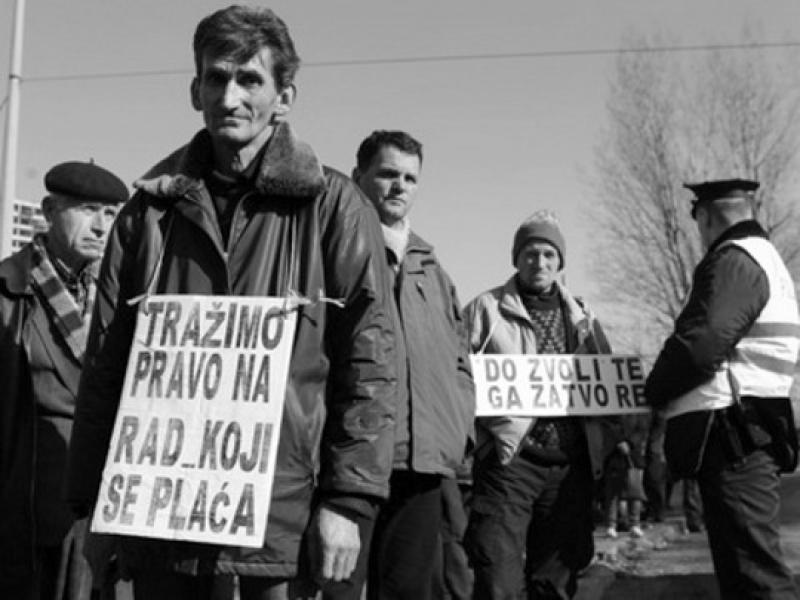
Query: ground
[[669, 563]]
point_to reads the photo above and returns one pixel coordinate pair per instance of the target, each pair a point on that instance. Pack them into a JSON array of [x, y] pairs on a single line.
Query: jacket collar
[[742, 229], [15, 272], [417, 251], [289, 168], [511, 304], [511, 300], [417, 244]]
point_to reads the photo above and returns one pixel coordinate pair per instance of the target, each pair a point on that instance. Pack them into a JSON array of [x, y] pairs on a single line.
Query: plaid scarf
[[67, 298]]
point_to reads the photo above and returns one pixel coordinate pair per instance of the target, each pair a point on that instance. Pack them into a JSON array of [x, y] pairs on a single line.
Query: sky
[[503, 136]]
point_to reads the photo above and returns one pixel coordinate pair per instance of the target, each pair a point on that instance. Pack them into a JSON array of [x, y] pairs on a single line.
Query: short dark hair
[[380, 138], [728, 211], [241, 32]]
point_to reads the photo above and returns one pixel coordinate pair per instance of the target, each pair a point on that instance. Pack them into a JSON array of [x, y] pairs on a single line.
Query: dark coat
[[729, 291], [24, 321], [437, 384], [301, 227]]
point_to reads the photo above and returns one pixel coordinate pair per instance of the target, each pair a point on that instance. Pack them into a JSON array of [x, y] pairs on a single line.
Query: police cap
[[87, 181], [708, 191]]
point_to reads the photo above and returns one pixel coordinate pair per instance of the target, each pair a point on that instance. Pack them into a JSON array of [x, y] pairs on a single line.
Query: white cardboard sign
[[192, 453], [552, 385]]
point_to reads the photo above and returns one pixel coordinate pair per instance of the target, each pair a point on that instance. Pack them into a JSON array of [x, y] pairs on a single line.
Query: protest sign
[[553, 385], [192, 453]]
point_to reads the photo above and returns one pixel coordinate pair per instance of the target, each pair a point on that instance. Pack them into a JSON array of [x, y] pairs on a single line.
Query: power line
[[110, 75], [557, 53], [444, 58]]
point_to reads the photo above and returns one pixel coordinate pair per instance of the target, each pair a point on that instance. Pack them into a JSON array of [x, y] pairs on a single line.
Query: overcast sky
[[503, 137]]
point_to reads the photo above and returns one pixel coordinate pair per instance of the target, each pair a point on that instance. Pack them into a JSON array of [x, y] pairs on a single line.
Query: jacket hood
[[289, 168]]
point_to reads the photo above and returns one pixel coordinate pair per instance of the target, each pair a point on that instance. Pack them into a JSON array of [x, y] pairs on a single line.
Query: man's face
[[239, 100], [78, 229], [390, 182], [538, 265]]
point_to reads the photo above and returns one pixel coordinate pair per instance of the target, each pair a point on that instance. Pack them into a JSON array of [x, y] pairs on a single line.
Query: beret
[[86, 181]]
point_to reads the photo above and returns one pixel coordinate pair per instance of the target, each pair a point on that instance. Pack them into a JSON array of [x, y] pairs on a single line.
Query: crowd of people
[[386, 486]]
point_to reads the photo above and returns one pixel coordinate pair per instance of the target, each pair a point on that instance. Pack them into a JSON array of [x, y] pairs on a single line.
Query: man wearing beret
[[530, 529], [722, 380], [46, 294]]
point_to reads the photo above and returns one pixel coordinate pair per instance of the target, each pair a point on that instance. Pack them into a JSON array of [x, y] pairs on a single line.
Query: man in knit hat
[[531, 521], [47, 291]]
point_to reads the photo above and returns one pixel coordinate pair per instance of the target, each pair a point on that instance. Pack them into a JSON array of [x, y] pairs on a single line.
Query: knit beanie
[[541, 225]]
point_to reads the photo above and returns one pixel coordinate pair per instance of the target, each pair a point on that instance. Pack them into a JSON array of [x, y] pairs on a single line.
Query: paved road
[[671, 564]]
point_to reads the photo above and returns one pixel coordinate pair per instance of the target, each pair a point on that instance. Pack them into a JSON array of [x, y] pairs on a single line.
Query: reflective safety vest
[[763, 362]]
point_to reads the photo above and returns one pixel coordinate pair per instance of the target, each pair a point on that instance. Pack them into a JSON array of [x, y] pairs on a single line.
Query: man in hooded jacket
[[246, 208]]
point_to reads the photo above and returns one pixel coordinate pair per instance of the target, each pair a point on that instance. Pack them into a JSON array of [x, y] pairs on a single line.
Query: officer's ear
[[704, 216], [356, 175]]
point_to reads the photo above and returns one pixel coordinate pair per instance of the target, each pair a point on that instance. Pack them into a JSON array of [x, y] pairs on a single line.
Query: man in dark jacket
[[246, 209], [46, 294], [722, 380], [435, 405]]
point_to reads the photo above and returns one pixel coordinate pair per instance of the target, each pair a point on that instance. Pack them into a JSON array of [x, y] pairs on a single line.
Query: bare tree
[[678, 117]]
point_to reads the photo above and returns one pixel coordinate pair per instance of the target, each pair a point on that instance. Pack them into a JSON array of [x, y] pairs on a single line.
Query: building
[[28, 220]]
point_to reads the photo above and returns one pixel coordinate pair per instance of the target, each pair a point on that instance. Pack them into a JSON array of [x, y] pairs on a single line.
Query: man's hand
[[624, 447], [334, 545]]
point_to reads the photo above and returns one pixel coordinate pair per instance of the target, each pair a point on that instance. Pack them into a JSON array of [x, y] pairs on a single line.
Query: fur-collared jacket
[[499, 323], [303, 228]]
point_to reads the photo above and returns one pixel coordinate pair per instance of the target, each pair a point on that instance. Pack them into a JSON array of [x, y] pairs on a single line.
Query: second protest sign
[[551, 385]]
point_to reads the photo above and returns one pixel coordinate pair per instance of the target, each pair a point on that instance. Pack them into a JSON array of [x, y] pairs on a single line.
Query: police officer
[[722, 380]]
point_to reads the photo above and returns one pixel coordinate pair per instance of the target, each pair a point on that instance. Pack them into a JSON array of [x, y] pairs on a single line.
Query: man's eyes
[[249, 81], [534, 255], [222, 79], [395, 175], [215, 78]]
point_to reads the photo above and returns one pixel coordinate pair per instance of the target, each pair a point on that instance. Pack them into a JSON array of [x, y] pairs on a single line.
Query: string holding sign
[[552, 385]]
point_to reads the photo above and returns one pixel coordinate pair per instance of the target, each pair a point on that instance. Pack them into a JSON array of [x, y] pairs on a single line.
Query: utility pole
[[12, 126]]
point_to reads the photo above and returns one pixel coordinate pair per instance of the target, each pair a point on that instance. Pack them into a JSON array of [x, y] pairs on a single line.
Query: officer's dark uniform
[[734, 450]]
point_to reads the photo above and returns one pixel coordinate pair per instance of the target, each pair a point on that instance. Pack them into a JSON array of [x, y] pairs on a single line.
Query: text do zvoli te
[[552, 385]]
